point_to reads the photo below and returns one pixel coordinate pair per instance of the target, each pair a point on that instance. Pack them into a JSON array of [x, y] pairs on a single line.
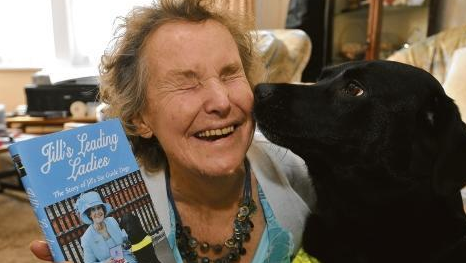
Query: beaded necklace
[[242, 227]]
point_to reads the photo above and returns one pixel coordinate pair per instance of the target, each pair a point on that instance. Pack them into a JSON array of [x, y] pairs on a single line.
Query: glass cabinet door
[[374, 29]]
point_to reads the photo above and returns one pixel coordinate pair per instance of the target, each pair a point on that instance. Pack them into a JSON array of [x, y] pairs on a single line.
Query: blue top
[[97, 249], [276, 244]]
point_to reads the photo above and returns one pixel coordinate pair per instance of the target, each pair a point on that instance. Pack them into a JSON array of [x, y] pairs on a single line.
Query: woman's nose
[[217, 98]]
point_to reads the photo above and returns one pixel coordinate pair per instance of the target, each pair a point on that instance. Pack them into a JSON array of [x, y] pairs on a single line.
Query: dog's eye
[[353, 89]]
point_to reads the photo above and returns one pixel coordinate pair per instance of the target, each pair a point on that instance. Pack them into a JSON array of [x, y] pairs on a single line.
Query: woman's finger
[[40, 249]]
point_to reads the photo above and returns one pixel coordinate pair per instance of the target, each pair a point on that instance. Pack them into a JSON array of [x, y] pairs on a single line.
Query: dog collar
[[146, 241]]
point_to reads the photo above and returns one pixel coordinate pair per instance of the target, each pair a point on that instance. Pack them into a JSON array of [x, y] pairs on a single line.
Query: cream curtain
[[241, 7]]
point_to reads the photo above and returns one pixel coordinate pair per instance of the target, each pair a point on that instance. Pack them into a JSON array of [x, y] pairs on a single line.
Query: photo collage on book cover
[[126, 195]]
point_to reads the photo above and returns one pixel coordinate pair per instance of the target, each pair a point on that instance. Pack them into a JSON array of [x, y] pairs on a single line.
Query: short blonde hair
[[123, 71]]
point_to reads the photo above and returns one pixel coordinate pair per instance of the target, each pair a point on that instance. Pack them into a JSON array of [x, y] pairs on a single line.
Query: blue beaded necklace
[[242, 227]]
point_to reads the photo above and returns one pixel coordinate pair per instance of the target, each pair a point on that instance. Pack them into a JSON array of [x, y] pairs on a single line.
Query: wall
[[12, 82], [271, 13], [450, 14]]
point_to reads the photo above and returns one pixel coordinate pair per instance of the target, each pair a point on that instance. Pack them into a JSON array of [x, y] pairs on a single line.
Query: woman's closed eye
[[189, 85], [231, 77], [180, 80], [232, 72]]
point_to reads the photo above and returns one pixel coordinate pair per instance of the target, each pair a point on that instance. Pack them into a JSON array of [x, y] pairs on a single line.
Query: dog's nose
[[263, 91]]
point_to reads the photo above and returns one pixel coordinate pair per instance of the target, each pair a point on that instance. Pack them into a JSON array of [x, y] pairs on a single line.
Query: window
[[37, 33], [26, 33], [94, 23], [74, 33]]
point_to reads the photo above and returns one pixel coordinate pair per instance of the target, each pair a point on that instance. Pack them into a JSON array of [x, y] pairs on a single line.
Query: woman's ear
[[142, 128]]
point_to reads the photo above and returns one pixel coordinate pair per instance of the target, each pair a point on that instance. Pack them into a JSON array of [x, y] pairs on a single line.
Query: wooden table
[[3, 148], [41, 125]]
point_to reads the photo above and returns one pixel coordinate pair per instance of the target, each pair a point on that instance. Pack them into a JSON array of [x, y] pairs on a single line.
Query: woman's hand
[[41, 250]]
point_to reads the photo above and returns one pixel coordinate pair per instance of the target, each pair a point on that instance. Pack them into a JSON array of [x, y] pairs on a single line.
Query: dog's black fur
[[387, 164], [132, 225]]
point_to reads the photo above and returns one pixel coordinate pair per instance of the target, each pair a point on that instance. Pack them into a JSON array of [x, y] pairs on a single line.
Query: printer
[[56, 100]]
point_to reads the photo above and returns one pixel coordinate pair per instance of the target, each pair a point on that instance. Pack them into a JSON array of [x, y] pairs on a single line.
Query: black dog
[[386, 149], [144, 252]]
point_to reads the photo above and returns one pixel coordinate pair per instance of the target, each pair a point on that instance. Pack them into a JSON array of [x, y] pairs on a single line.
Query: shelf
[[381, 29], [364, 10], [44, 121], [41, 125]]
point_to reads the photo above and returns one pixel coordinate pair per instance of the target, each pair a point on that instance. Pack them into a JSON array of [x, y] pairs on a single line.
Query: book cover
[[88, 194]]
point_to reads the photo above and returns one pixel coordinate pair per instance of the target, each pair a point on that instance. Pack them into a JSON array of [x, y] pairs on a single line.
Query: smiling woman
[[180, 77], [103, 231], [213, 97]]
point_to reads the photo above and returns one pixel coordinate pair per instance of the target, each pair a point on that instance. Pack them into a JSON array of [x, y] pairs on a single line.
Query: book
[[89, 196]]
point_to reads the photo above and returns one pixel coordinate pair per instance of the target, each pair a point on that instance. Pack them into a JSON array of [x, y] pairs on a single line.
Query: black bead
[[217, 248], [192, 242], [247, 228], [205, 260], [187, 230], [192, 255], [233, 256], [205, 247], [242, 251]]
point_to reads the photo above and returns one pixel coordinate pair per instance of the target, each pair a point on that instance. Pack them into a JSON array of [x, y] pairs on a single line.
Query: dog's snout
[[263, 91]]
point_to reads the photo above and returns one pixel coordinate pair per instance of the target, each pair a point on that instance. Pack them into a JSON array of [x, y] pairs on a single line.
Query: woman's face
[[199, 101], [97, 214]]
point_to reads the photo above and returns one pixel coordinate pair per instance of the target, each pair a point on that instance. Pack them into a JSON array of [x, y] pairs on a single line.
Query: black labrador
[[143, 251], [386, 149]]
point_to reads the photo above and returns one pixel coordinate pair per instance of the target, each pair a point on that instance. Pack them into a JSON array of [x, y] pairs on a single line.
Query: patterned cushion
[[285, 53], [435, 53], [455, 85]]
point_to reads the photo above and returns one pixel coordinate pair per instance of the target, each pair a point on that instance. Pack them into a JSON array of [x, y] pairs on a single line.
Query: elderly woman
[[180, 77], [103, 232]]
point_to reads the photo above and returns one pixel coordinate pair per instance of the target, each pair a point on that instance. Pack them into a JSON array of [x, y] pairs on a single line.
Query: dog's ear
[[450, 166]]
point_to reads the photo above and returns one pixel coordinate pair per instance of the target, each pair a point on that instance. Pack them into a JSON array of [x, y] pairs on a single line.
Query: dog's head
[[132, 226], [378, 113]]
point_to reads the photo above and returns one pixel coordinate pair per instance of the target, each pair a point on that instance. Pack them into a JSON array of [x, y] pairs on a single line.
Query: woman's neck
[[99, 226], [201, 190]]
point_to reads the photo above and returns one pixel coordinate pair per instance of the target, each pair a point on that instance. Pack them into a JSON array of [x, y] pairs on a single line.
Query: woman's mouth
[[215, 134]]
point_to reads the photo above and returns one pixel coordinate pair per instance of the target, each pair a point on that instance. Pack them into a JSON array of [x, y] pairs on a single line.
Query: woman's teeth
[[216, 132]]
